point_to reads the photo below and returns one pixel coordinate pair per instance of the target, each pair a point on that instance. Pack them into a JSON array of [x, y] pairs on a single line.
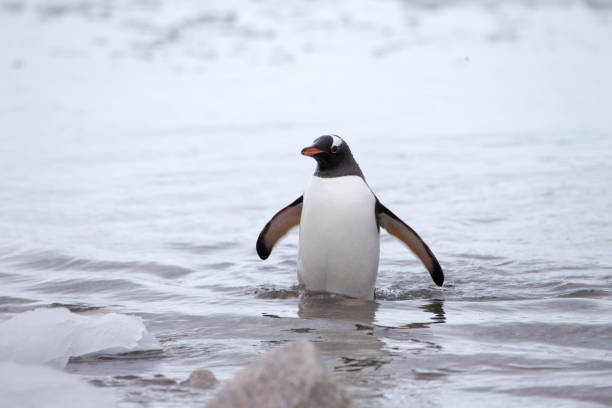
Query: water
[[141, 158]]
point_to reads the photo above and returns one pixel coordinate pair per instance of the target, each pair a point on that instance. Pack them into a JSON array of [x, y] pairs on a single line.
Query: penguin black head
[[333, 156], [329, 151]]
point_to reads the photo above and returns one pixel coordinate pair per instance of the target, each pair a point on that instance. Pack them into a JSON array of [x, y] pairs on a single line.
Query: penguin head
[[329, 151], [333, 156]]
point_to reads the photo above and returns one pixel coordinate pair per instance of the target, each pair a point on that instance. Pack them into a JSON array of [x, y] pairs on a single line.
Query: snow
[[52, 336], [37, 386], [35, 345]]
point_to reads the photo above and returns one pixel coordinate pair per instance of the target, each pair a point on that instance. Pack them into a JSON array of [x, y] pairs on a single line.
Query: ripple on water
[[13, 300], [201, 249], [9, 304], [73, 286], [481, 257], [585, 336], [76, 307], [218, 265], [51, 260], [132, 355], [581, 393], [585, 293]]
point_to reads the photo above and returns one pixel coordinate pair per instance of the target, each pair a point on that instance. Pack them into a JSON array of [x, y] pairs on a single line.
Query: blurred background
[[145, 143]]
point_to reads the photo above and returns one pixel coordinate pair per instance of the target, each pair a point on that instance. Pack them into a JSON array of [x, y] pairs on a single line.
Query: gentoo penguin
[[340, 218]]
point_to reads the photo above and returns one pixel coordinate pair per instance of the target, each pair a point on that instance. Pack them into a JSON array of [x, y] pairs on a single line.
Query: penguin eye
[[334, 149]]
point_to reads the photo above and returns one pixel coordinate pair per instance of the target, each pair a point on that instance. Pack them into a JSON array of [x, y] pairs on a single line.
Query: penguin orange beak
[[311, 151]]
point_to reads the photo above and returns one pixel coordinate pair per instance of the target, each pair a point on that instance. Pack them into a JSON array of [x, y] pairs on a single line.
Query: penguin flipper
[[400, 230], [278, 226]]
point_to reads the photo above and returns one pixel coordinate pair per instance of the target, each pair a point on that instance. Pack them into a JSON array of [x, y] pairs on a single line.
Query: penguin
[[340, 219]]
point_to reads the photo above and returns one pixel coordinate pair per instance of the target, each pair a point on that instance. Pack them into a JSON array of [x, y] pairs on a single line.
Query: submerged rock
[[292, 376], [201, 379]]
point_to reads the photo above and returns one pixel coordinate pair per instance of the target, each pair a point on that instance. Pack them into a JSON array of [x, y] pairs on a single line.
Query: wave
[[51, 260]]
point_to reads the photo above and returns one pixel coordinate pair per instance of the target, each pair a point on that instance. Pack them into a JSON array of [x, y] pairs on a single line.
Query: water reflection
[[363, 313], [409, 315], [355, 333], [436, 307], [337, 308], [346, 334]]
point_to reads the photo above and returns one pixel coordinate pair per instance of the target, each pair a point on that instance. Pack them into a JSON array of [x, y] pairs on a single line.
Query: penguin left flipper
[[278, 226], [399, 229]]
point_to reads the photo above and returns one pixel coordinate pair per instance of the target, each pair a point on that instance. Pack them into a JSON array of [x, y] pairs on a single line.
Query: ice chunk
[[52, 336], [25, 385]]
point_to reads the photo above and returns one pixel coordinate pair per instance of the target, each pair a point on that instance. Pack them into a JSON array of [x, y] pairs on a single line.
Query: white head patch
[[336, 141]]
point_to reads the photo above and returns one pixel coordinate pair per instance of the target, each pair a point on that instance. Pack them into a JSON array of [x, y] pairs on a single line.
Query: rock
[[201, 379], [293, 377]]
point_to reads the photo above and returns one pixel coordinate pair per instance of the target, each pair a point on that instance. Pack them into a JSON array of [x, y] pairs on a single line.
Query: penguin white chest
[[339, 239]]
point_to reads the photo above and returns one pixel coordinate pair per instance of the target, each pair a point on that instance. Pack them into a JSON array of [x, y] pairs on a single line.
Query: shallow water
[[137, 185]]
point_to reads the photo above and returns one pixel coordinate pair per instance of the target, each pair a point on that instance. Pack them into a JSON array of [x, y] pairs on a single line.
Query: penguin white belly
[[339, 239]]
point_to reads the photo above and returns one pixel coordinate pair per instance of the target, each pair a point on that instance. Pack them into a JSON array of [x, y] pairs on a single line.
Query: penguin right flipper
[[278, 226], [400, 230]]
